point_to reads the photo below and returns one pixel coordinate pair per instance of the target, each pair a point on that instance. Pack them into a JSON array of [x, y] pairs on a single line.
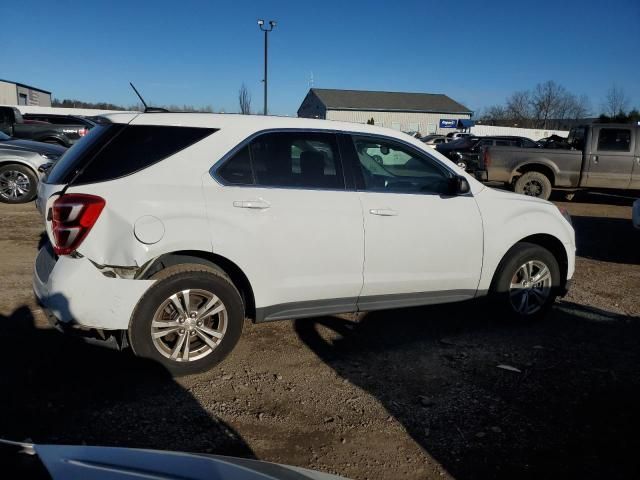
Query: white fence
[[532, 133]]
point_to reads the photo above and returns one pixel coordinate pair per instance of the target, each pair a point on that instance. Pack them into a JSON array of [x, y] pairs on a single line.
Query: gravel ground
[[417, 393]]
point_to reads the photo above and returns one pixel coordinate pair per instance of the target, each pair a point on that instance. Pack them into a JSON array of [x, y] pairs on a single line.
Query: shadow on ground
[[621, 197], [570, 412], [607, 239], [54, 389]]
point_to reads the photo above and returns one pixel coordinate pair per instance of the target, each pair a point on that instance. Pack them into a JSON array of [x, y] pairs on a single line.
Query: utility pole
[[266, 47]]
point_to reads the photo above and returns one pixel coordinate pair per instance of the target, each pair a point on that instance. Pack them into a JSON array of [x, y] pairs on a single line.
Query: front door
[[284, 215], [611, 159], [422, 245]]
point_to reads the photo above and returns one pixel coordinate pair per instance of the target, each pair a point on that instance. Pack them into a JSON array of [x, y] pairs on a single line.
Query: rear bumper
[[78, 296]]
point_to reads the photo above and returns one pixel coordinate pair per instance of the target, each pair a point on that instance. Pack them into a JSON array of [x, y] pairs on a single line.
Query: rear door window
[[287, 159], [614, 140]]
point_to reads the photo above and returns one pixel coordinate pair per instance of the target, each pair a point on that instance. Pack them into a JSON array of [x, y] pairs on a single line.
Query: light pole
[[266, 43]]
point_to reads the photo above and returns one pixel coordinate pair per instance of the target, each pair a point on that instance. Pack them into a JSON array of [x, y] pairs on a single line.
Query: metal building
[[409, 112], [13, 93]]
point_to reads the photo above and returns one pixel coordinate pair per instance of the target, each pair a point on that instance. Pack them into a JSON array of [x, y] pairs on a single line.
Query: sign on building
[[448, 122]]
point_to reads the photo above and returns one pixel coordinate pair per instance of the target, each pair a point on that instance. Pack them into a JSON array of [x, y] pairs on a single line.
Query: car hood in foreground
[[98, 463], [31, 146]]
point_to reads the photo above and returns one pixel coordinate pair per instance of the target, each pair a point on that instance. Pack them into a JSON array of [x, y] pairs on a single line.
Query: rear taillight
[[72, 216], [83, 131], [486, 158]]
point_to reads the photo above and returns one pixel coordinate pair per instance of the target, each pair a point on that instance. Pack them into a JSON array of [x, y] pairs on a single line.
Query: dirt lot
[[398, 394]]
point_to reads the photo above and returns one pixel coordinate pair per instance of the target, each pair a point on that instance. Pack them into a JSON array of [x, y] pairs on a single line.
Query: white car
[[635, 215], [168, 229]]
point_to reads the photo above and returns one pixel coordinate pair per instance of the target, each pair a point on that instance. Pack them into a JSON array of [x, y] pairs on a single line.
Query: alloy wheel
[[14, 184], [530, 287], [189, 325]]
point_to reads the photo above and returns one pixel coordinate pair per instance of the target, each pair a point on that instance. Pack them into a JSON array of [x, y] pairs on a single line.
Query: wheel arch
[[541, 167], [59, 140], [548, 242], [19, 161], [228, 267]]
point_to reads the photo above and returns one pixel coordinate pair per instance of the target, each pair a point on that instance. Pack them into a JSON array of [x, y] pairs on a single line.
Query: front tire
[[534, 184], [18, 184], [189, 320], [526, 282]]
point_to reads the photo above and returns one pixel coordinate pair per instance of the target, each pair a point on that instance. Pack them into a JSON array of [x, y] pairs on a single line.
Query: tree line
[[549, 105], [73, 103]]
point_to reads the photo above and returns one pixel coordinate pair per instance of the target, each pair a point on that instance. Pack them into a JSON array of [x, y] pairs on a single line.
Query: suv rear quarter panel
[[170, 191]]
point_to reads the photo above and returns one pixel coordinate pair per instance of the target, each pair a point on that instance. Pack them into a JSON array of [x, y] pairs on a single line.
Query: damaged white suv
[[167, 230]]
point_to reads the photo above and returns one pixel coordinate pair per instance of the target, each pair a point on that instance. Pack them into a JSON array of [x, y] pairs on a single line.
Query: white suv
[[166, 230]]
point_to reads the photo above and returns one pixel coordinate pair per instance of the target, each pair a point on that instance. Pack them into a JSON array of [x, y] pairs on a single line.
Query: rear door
[[611, 158], [279, 207]]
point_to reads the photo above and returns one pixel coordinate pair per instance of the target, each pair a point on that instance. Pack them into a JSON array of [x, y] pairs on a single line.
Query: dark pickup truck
[[601, 156], [13, 124]]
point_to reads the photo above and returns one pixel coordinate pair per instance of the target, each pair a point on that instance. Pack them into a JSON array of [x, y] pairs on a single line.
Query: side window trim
[[213, 171]]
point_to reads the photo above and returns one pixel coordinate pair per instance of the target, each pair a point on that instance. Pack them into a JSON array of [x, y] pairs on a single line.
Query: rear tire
[[18, 184], [534, 184], [526, 282], [189, 320]]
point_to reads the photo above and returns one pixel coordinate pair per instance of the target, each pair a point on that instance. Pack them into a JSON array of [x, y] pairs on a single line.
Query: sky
[[200, 52]]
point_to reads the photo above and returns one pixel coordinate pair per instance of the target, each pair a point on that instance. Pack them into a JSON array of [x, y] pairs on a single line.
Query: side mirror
[[458, 186]]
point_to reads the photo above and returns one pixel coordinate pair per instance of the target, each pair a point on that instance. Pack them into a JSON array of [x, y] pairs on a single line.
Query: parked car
[[635, 215], [555, 141], [58, 119], [603, 157], [168, 229], [433, 141], [22, 164], [466, 151], [31, 461], [13, 124], [451, 136]]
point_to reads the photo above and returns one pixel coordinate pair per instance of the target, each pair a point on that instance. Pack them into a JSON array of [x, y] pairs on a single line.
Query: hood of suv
[[512, 196], [31, 146]]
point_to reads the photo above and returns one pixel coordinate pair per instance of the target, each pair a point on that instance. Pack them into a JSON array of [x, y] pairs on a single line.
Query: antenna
[[147, 109], [311, 80], [139, 96]]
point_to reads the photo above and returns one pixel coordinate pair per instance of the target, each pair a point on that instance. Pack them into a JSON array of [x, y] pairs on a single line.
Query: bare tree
[[549, 100], [518, 109], [615, 102], [494, 114], [580, 107], [244, 97]]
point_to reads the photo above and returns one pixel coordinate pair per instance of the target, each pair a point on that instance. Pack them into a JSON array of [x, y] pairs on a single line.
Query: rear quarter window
[[134, 148]]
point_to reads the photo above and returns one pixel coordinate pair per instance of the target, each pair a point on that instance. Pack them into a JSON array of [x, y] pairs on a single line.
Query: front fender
[[509, 218], [28, 159]]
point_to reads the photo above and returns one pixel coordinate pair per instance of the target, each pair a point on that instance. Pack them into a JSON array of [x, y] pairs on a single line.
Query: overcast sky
[[200, 52]]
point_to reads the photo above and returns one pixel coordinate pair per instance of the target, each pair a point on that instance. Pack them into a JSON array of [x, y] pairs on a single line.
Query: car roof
[[249, 122]]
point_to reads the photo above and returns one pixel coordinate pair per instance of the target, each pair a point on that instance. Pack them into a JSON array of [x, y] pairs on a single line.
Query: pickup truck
[[13, 124], [602, 156]]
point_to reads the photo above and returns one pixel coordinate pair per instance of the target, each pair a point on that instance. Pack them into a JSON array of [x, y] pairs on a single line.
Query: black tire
[[169, 282], [534, 184], [508, 269], [22, 172]]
